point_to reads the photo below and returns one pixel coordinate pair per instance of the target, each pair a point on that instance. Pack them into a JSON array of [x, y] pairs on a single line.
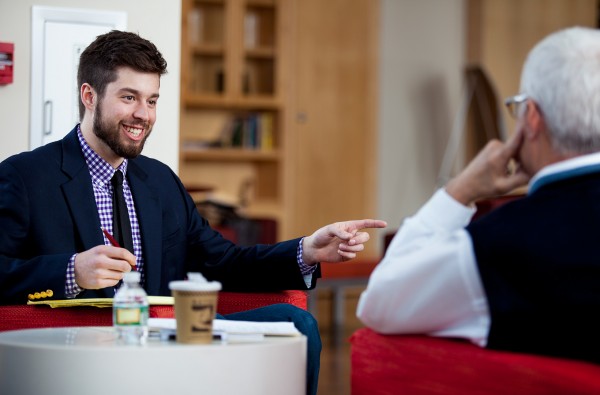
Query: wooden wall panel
[[332, 120]]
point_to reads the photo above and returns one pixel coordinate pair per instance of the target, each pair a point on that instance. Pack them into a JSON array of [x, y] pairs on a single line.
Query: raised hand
[[338, 242], [494, 171]]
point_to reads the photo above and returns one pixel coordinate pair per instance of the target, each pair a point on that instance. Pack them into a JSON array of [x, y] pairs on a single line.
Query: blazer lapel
[[79, 195], [149, 215]]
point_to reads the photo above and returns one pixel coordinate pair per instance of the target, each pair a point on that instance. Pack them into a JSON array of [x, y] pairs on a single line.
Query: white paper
[[235, 327]]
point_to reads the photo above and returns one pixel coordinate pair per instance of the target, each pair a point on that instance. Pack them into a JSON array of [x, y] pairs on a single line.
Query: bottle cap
[[132, 277]]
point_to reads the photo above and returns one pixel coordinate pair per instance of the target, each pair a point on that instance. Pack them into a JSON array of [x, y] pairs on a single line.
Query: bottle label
[[129, 316]]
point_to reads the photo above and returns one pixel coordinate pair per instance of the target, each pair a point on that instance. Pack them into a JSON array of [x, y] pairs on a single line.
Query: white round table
[[89, 360]]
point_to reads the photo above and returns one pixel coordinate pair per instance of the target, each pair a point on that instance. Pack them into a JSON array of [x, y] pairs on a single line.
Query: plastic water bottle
[[130, 310]]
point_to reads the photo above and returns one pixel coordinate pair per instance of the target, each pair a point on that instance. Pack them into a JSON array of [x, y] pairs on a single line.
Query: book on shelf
[[253, 131], [266, 132]]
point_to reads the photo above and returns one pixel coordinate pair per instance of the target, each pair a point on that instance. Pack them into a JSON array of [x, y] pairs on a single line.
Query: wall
[[422, 57], [501, 34], [156, 20]]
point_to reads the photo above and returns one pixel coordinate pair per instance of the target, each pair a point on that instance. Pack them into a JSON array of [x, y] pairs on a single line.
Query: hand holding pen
[[114, 243], [102, 266]]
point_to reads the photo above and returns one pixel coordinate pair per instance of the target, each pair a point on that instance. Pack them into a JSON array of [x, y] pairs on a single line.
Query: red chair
[[41, 316], [417, 365]]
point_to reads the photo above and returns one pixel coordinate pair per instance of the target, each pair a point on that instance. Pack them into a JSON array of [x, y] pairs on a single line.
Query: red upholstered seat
[[416, 365], [232, 302], [40, 316]]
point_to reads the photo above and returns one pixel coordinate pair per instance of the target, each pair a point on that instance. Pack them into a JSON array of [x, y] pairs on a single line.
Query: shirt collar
[[99, 168], [577, 166]]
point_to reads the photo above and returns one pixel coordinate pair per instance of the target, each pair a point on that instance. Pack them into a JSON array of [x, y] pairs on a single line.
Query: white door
[[63, 43], [59, 36]]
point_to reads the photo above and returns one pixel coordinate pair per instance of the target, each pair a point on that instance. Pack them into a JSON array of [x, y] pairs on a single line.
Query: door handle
[[47, 117]]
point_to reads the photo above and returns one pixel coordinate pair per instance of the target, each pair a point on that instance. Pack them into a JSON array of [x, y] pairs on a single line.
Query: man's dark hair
[[99, 62]]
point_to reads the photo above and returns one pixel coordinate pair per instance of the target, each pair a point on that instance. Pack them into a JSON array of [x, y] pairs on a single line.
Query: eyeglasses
[[514, 105]]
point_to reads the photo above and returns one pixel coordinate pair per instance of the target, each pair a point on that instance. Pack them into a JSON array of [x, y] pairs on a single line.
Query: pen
[[114, 242], [110, 238]]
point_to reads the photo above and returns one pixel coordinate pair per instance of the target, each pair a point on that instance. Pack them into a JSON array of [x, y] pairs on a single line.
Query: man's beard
[[111, 136]]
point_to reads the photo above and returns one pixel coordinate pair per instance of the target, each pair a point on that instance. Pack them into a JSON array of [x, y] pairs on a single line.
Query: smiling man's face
[[125, 114]]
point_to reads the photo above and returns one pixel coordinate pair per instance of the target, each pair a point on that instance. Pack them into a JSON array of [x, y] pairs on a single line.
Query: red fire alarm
[[7, 51]]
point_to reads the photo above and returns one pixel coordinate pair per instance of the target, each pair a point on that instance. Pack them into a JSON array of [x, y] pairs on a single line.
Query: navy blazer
[[48, 213]]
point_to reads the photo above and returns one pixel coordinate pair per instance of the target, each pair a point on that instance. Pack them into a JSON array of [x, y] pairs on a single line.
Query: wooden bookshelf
[[232, 129], [309, 65]]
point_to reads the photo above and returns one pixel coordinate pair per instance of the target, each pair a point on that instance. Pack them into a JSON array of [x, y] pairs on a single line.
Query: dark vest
[[539, 260]]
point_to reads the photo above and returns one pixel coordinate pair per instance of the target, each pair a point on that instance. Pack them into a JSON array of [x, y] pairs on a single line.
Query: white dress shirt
[[428, 282]]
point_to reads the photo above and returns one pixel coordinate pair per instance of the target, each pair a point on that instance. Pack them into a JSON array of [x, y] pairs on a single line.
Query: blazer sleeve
[[21, 271]]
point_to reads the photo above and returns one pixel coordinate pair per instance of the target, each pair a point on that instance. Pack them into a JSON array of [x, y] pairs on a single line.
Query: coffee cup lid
[[195, 282]]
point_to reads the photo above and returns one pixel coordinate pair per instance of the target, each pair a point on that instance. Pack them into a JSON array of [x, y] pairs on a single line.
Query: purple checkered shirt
[[305, 269], [101, 173]]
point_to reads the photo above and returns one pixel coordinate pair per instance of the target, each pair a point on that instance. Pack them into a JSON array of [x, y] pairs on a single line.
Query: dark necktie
[[121, 224]]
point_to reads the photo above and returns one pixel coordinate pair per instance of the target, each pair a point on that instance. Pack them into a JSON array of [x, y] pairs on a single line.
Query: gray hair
[[562, 75]]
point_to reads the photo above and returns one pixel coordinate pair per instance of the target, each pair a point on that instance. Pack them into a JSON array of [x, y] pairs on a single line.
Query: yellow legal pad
[[99, 302]]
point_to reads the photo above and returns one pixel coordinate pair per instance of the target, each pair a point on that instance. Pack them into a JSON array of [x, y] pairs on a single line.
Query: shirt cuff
[[71, 287], [305, 269], [446, 212]]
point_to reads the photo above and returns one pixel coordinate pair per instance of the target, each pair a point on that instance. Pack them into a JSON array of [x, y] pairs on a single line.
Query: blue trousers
[[303, 321]]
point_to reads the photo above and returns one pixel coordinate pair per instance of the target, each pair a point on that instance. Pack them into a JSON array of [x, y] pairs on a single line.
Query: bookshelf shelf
[[216, 100], [229, 154], [208, 50], [260, 53], [262, 3]]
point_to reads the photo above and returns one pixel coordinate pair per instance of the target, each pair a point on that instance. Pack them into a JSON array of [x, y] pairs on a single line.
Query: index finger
[[514, 143], [367, 224]]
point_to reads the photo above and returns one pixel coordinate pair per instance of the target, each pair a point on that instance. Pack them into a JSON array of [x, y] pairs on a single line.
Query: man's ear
[[535, 124], [89, 98]]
